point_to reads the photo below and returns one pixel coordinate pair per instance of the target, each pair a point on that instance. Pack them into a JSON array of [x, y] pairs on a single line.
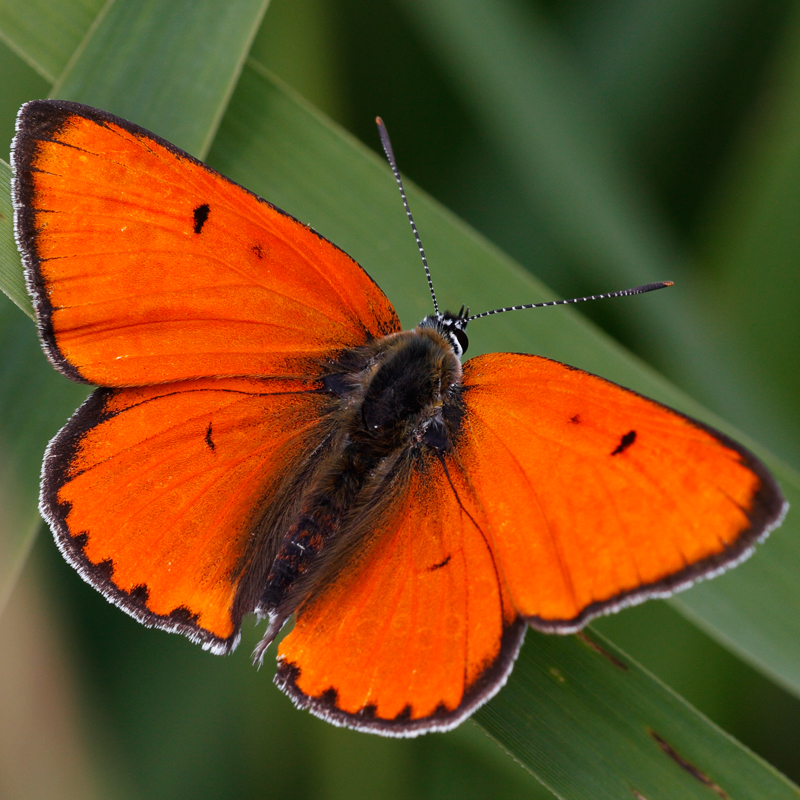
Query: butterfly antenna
[[387, 148], [648, 287]]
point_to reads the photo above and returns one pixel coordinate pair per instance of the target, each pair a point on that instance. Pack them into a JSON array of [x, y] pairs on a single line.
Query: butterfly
[[265, 438]]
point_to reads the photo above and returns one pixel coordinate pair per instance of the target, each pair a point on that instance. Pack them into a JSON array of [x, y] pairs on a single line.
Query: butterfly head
[[452, 326]]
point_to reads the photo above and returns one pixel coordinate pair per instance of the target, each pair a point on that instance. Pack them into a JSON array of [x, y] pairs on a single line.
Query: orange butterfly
[[267, 439]]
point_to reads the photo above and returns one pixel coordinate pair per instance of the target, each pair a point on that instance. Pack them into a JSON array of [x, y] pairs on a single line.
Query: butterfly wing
[[418, 629], [146, 266], [162, 497], [598, 497]]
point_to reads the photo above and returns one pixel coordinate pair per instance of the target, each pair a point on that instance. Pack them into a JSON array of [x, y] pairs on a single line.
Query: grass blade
[[46, 33], [170, 66]]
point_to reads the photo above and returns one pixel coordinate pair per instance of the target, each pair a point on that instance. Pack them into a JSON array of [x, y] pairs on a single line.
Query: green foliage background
[[600, 145]]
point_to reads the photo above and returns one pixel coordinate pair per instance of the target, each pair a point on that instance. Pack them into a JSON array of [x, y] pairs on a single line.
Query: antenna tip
[[668, 283], [379, 122]]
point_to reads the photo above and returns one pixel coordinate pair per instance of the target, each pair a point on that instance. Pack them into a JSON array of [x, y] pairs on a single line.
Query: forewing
[[598, 497], [417, 630], [146, 266], [156, 495]]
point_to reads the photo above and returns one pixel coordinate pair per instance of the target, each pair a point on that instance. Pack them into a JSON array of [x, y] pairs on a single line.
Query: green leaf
[[298, 41], [591, 723], [170, 66], [46, 33]]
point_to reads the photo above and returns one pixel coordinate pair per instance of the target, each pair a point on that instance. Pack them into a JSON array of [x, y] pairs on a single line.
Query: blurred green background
[[600, 144]]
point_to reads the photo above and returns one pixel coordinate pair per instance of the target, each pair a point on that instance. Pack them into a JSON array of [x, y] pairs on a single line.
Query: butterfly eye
[[461, 338]]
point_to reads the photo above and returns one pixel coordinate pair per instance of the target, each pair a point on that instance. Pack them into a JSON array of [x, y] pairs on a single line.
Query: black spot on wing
[[200, 217], [441, 564], [330, 696], [258, 250], [209, 440], [369, 712], [140, 594], [103, 571], [575, 418], [183, 616], [624, 443]]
